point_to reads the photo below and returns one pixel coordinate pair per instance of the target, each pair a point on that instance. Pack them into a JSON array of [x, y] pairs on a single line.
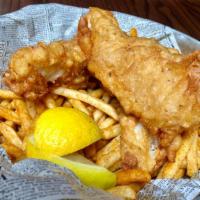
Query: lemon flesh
[[61, 131], [89, 173]]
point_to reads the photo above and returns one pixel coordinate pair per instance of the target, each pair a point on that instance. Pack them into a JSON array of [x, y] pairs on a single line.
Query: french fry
[[116, 166], [198, 151], [67, 104], [101, 143], [106, 123], [137, 186], [83, 91], [132, 175], [54, 96], [9, 115], [31, 107], [2, 139], [6, 104], [94, 158], [79, 105], [25, 118], [112, 131], [101, 119], [10, 123], [170, 169], [96, 93], [70, 93], [90, 151], [59, 101], [173, 147], [184, 163], [133, 32], [79, 80], [184, 151], [192, 157], [7, 94], [50, 102], [40, 108], [115, 103], [12, 150], [97, 114], [106, 97], [10, 135], [91, 110], [160, 174], [125, 192], [12, 105], [180, 173], [109, 154]]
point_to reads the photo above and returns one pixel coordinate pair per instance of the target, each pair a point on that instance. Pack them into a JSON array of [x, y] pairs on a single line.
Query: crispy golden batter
[[139, 149], [31, 69], [157, 84]]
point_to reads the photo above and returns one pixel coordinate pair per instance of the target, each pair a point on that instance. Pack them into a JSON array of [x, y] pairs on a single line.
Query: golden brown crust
[[139, 149], [158, 86], [32, 68]]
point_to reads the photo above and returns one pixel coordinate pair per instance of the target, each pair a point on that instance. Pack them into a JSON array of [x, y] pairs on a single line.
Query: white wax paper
[[36, 179]]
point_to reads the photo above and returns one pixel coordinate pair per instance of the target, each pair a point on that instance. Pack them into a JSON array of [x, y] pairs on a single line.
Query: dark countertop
[[183, 15]]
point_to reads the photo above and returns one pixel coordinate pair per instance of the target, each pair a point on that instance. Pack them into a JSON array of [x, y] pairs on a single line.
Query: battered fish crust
[[31, 69], [157, 84]]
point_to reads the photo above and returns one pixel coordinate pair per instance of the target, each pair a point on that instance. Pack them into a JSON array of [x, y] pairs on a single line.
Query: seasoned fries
[[24, 116], [97, 114], [101, 119], [180, 173], [109, 154], [96, 93], [137, 186], [12, 150], [106, 123], [174, 146], [9, 115], [198, 152], [132, 175], [6, 104], [67, 104], [59, 101], [10, 135], [79, 105], [101, 143], [170, 169], [40, 108], [106, 98], [122, 137], [7, 94], [192, 157], [31, 107], [69, 93], [133, 32], [116, 166], [112, 131], [90, 151], [125, 191], [50, 102]]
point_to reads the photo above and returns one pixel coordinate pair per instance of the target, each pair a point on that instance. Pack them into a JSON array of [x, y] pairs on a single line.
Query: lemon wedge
[[89, 173], [62, 131]]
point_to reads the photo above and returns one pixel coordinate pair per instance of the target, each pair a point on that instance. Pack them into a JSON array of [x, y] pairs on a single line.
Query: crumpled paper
[[37, 179]]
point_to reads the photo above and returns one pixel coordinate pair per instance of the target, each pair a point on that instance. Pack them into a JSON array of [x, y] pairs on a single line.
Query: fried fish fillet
[[139, 149], [31, 69], [157, 84]]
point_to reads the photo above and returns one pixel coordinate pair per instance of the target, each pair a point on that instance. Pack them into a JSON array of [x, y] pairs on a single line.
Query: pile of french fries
[[17, 117]]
